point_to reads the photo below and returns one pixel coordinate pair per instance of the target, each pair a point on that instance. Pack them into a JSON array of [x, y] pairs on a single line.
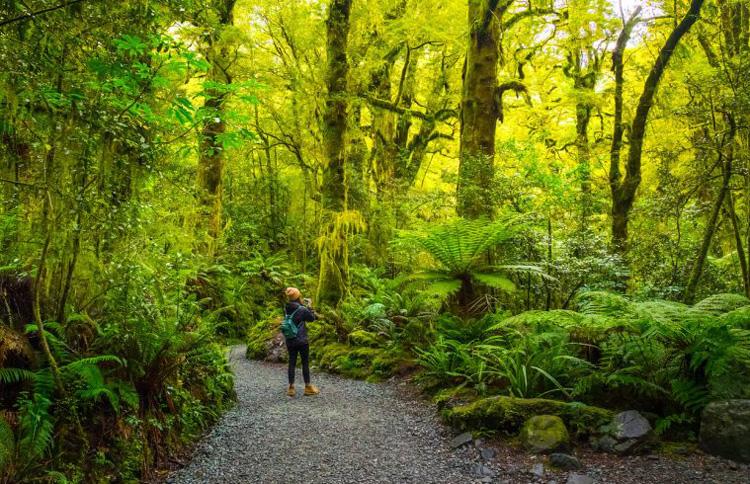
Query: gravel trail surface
[[358, 432], [353, 432]]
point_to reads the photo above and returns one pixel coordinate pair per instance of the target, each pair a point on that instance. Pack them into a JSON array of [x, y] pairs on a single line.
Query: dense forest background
[[508, 196]]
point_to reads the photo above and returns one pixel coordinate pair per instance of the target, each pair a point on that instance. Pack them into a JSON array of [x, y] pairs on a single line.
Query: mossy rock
[[364, 363], [544, 433], [257, 340], [321, 333], [347, 360], [508, 414]]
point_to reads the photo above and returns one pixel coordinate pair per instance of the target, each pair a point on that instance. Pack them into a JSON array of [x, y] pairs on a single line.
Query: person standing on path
[[299, 345]]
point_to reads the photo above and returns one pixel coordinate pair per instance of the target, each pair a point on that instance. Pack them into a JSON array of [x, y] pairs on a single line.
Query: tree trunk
[[624, 189], [732, 214], [479, 111], [711, 226], [334, 275], [584, 83], [211, 151]]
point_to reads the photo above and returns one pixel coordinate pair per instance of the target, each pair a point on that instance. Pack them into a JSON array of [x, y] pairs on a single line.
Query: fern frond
[[496, 281], [722, 303], [10, 376]]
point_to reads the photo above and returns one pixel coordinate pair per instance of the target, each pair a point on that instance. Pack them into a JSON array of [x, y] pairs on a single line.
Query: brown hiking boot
[[311, 390], [291, 391]]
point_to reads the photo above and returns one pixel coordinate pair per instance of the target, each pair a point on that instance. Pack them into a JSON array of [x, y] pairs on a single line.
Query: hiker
[[296, 341]]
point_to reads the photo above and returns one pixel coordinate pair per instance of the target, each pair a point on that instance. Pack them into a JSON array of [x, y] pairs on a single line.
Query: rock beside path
[[628, 433], [564, 461], [725, 429], [544, 433]]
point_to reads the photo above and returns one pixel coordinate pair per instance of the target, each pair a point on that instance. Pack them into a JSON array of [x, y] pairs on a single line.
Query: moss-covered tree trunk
[[211, 151], [333, 254], [479, 112]]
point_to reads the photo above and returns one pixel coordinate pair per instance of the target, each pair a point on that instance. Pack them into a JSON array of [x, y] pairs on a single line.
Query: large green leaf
[[496, 280], [443, 288]]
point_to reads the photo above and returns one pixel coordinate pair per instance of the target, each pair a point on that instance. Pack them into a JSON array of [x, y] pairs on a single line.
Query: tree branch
[[32, 15]]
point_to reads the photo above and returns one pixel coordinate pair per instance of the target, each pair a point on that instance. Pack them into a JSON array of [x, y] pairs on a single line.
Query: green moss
[[454, 396], [508, 414], [372, 364], [7, 444], [259, 335], [544, 433], [361, 337]]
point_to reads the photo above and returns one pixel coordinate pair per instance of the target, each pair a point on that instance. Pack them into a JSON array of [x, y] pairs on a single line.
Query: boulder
[[564, 461], [276, 349], [605, 443], [544, 433], [462, 439], [487, 454], [628, 433], [630, 425], [725, 429]]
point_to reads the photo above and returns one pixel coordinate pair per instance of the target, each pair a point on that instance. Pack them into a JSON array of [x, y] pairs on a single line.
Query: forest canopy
[[424, 170]]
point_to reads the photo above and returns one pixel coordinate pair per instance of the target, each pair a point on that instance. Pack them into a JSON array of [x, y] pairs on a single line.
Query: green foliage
[[722, 303], [658, 356], [7, 445], [461, 250]]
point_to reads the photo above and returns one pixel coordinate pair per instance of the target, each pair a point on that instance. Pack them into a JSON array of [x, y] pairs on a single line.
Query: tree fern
[[460, 252], [722, 303]]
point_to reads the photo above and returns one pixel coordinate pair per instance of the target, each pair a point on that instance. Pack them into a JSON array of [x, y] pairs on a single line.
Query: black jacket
[[300, 318]]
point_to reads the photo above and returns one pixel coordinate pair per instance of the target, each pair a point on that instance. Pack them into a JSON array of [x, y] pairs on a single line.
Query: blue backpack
[[288, 328]]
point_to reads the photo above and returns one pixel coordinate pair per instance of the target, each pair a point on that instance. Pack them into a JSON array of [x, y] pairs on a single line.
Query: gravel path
[[358, 432], [353, 432]]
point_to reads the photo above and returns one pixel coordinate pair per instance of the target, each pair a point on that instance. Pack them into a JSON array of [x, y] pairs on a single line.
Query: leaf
[[10, 376], [495, 280], [443, 288]]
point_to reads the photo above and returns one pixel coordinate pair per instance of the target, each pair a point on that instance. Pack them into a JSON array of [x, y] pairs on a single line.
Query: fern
[[459, 250], [36, 427], [738, 318], [9, 376], [721, 303]]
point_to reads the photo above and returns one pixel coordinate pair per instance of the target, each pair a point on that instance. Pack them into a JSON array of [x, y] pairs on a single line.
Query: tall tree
[[333, 251], [482, 100], [479, 109], [211, 149], [624, 188]]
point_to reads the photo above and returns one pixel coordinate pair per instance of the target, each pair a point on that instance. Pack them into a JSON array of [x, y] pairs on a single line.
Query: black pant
[[304, 352]]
